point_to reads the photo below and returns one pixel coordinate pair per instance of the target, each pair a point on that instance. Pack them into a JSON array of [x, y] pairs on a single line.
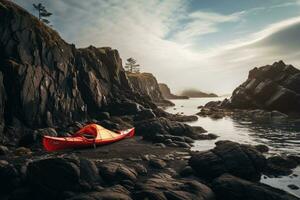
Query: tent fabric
[[96, 131]]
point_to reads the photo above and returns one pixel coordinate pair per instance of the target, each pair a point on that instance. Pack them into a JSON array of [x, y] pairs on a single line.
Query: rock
[[9, 177], [182, 144], [163, 186], [187, 171], [262, 148], [197, 94], [146, 84], [2, 106], [157, 163], [271, 87], [160, 145], [3, 150], [166, 92], [145, 114], [229, 157], [104, 116], [228, 187], [22, 151], [184, 118], [56, 175], [35, 137], [114, 193], [293, 187], [280, 165], [163, 126], [140, 169], [115, 172], [56, 84]]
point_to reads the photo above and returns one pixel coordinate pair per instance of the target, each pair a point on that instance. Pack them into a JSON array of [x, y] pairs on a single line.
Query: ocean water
[[282, 137]]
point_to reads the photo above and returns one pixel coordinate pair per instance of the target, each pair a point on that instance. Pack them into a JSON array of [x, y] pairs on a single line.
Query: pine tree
[[43, 13], [131, 66]]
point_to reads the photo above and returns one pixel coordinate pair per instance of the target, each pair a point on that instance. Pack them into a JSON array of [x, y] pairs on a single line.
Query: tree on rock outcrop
[[132, 66], [43, 13]]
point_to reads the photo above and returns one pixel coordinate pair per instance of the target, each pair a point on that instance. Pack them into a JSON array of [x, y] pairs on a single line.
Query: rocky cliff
[[192, 93], [271, 87], [146, 84], [166, 92], [45, 81]]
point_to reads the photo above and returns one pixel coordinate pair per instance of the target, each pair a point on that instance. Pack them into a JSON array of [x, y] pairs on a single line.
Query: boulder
[[157, 163], [228, 187], [113, 172], [163, 186], [52, 176], [229, 157]]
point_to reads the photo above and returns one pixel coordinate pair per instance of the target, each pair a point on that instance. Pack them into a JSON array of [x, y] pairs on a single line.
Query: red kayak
[[88, 136]]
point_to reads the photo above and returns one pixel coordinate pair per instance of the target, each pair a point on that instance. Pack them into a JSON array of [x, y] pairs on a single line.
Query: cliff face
[[166, 92], [197, 94], [146, 84], [47, 81], [271, 87]]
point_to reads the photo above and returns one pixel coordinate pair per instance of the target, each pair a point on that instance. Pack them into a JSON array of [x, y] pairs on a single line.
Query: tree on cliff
[[43, 13], [131, 65]]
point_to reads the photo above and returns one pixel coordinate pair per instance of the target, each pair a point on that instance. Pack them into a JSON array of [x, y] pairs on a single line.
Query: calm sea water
[[282, 137]]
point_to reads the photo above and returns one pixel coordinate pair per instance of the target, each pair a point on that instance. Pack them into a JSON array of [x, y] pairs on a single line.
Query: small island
[[194, 93]]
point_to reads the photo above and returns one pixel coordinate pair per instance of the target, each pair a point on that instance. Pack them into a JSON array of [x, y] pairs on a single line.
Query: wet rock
[[184, 118], [163, 186], [182, 144], [278, 165], [104, 116], [262, 148], [35, 137], [293, 187], [294, 158], [229, 157], [140, 169], [157, 163], [145, 114], [228, 187], [160, 145]]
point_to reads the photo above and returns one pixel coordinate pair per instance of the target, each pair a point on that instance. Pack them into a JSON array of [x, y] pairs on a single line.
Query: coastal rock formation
[[46, 82], [192, 93], [146, 84], [166, 92], [229, 157], [271, 87], [228, 187]]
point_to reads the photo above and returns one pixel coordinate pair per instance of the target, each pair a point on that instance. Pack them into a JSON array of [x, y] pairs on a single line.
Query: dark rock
[[272, 87], [280, 165], [163, 126], [187, 171], [2, 106], [115, 172], [294, 158], [114, 193], [9, 177], [22, 151], [163, 187], [35, 137], [184, 118], [197, 94], [145, 114], [146, 84], [229, 157], [228, 187], [166, 92], [104, 116], [3, 150], [293, 187], [182, 144], [140, 169], [157, 163], [262, 148]]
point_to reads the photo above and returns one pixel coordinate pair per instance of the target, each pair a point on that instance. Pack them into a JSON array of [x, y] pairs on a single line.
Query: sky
[[208, 45]]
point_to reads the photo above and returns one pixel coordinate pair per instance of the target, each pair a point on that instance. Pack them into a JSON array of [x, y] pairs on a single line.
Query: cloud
[[200, 23]]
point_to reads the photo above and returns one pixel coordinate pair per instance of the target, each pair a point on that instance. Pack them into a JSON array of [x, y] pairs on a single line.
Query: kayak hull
[[59, 143]]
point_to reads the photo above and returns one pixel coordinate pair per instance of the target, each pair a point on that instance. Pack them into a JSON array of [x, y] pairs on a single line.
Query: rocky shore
[[49, 87], [166, 92]]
